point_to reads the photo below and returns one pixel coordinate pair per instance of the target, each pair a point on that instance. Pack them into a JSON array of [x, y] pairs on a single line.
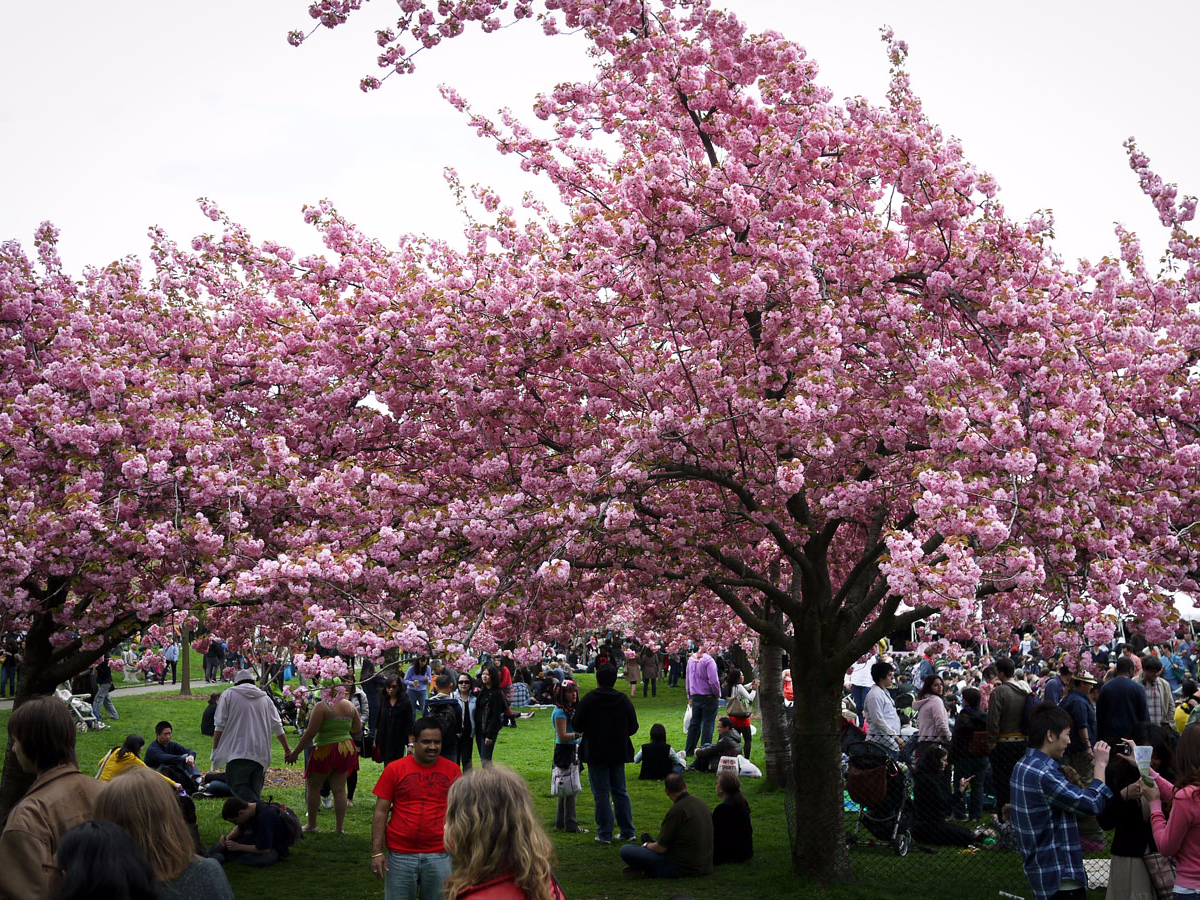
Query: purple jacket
[[701, 677]]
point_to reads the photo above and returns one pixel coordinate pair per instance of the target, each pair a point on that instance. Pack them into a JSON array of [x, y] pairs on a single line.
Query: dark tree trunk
[[820, 849], [185, 661], [777, 744]]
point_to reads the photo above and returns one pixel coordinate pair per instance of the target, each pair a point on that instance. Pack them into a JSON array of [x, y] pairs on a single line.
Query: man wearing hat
[[245, 721], [1084, 734]]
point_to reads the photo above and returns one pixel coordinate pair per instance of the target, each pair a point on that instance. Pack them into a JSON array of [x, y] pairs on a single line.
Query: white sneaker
[[327, 802]]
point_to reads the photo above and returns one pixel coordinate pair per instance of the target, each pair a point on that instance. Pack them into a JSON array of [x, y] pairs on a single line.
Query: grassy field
[[327, 865]]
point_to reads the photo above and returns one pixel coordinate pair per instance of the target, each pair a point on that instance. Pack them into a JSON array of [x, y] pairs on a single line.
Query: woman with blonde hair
[[144, 805], [497, 846]]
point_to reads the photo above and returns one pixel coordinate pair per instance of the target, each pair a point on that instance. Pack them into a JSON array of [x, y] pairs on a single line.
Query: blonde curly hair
[[492, 830]]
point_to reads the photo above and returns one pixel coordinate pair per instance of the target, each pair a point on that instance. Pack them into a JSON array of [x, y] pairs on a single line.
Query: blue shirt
[[1083, 715], [554, 717], [1043, 811]]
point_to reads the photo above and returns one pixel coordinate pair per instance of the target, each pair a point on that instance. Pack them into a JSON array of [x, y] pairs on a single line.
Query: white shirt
[[860, 673], [247, 720]]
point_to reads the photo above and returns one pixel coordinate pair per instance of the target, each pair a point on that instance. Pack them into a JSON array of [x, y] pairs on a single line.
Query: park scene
[[722, 488]]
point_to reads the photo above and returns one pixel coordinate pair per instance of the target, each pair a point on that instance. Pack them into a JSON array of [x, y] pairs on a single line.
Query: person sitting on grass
[[729, 743], [685, 840], [173, 759], [933, 801], [140, 803], [658, 758], [124, 758], [208, 717], [733, 833], [259, 837]]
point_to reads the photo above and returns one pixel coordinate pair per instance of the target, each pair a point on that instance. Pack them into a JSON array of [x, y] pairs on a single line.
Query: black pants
[[1072, 894], [649, 684], [1004, 758], [746, 734]]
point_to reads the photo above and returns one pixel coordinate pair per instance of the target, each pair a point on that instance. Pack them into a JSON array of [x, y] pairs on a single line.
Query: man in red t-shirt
[[410, 811]]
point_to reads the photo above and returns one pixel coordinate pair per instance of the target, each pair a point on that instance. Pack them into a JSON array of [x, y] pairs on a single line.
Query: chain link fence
[[902, 826]]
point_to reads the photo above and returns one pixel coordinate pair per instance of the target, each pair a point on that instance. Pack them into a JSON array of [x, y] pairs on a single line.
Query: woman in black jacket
[[395, 720], [933, 802], [969, 754], [489, 711]]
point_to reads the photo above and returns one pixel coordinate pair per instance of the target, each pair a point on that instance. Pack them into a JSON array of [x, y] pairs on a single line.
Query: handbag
[[377, 752], [1162, 873], [564, 775], [736, 706]]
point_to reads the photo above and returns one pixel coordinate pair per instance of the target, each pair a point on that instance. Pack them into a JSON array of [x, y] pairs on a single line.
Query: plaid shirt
[[1159, 700], [1044, 807]]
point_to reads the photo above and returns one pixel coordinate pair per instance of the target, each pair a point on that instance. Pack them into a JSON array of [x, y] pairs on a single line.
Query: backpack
[[1032, 702], [446, 714], [291, 821]]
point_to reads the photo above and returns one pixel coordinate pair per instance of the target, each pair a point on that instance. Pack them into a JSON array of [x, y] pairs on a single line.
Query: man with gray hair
[[246, 719]]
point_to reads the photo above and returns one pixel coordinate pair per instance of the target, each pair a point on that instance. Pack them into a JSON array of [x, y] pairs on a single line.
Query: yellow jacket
[[111, 766]]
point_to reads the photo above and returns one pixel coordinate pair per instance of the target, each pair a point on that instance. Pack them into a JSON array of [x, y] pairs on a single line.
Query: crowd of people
[[1045, 746], [435, 730], [1048, 747]]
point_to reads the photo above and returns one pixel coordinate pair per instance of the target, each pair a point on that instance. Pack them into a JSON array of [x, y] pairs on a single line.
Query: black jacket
[[489, 711], [733, 834], [966, 723], [607, 719], [208, 720], [395, 727]]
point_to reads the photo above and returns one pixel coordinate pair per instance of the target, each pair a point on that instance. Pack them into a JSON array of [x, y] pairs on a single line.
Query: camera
[[1123, 749]]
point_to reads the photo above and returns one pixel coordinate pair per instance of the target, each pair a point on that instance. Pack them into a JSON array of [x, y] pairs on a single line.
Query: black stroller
[[882, 788]]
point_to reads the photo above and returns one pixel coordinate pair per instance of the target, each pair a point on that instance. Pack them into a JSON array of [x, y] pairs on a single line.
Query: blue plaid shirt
[[1043, 811]]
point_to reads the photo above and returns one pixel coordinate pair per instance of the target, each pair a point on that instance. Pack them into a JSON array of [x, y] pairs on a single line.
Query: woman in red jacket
[[497, 846]]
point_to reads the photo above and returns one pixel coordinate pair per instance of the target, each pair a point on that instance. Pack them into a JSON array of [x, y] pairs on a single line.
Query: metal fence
[[887, 843]]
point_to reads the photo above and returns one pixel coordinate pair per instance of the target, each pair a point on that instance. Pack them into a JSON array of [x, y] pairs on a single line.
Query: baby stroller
[[81, 710], [882, 788]]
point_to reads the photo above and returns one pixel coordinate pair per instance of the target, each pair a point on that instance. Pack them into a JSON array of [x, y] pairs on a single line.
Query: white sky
[[116, 116]]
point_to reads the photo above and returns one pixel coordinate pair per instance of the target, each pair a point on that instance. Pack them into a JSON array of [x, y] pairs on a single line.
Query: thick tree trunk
[[820, 849], [185, 660], [776, 741]]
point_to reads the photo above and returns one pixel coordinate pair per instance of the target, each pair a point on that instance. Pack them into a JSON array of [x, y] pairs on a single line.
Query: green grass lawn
[[327, 865]]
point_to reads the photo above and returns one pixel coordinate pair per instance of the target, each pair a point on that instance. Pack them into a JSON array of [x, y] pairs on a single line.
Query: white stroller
[[81, 710]]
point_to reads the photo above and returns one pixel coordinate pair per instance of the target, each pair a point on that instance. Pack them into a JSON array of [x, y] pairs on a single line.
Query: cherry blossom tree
[[785, 359]]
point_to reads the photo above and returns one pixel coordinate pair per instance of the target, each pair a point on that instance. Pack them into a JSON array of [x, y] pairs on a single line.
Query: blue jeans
[[704, 720], [606, 781], [655, 864], [485, 752], [417, 697], [103, 701], [859, 693], [415, 876], [8, 680]]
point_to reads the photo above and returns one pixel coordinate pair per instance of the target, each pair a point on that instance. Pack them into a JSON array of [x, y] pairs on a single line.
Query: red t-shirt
[[418, 795]]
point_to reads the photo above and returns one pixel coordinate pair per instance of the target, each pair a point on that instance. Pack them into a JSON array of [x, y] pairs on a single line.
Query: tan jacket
[[59, 800], [1004, 711]]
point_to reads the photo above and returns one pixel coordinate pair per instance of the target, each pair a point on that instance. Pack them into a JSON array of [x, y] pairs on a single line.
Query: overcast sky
[[117, 116]]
